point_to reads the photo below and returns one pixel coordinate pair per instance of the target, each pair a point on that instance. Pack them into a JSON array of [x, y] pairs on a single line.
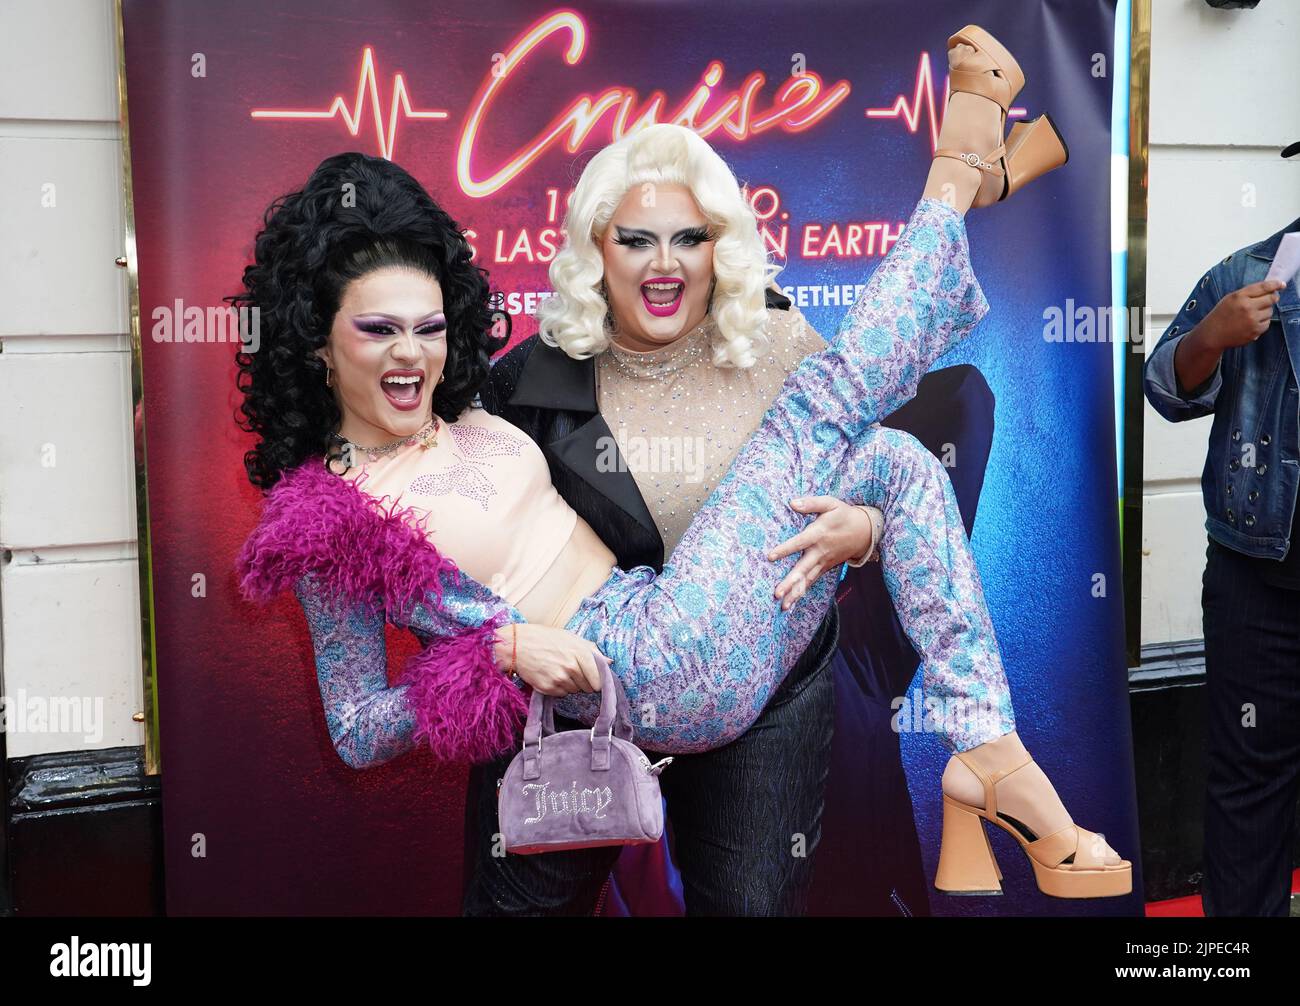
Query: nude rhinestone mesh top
[[678, 419]]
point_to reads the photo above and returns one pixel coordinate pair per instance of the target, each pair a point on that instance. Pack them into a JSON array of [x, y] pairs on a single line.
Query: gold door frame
[[144, 551], [1139, 105]]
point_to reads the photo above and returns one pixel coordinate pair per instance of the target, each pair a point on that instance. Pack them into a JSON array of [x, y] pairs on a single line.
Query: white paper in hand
[[1286, 263]]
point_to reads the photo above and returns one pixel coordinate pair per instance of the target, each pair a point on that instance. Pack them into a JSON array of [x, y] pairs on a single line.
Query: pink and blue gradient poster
[[829, 113]]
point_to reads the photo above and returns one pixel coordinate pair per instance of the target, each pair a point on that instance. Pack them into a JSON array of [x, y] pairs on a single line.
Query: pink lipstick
[[662, 297]]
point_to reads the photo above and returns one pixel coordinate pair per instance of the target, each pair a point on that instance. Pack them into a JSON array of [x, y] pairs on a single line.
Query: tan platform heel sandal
[[1067, 863], [1032, 148]]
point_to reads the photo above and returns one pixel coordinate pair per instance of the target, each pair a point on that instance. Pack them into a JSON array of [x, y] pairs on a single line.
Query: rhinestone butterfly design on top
[[466, 478]]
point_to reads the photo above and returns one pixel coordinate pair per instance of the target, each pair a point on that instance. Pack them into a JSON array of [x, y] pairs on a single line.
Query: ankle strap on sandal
[[991, 779], [988, 163]]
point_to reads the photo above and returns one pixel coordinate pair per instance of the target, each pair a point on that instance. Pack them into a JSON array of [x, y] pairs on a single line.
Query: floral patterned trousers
[[701, 647]]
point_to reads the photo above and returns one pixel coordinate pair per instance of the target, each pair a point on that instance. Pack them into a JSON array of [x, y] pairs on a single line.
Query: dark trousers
[[1252, 663], [745, 821]]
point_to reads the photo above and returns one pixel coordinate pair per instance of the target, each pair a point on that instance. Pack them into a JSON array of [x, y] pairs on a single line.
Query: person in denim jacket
[[1233, 350]]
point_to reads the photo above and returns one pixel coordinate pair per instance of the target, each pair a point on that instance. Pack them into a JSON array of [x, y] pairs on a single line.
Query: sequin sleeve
[[450, 695], [368, 722]]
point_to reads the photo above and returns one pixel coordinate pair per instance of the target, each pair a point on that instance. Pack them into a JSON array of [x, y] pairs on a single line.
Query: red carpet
[[1191, 905]]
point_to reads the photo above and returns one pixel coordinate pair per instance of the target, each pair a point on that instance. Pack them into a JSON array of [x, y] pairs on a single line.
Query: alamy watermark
[[76, 959], [53, 714], [180, 323], [1073, 322], [917, 713], [661, 455]]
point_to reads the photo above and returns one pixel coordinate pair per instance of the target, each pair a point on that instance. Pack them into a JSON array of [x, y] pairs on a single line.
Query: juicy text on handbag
[[580, 788]]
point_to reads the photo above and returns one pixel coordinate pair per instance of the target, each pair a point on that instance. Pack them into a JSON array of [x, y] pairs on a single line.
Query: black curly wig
[[312, 245]]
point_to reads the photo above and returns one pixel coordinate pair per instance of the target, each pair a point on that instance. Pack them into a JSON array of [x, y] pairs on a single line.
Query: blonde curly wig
[[574, 318]]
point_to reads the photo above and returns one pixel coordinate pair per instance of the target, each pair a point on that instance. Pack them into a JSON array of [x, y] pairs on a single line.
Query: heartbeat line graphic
[[367, 80], [923, 102]]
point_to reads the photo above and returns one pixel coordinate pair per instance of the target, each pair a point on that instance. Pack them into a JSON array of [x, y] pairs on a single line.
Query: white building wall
[[69, 596], [1225, 99]]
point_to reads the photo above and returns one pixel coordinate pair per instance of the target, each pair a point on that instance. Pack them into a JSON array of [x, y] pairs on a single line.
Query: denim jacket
[[1252, 469]]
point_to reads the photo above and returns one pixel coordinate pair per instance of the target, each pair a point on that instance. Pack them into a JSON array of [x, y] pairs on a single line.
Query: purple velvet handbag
[[580, 788]]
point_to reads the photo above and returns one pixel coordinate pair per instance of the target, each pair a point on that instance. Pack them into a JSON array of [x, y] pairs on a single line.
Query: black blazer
[[552, 398]]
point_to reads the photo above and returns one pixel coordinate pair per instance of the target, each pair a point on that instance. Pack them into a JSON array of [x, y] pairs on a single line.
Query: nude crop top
[[487, 489]]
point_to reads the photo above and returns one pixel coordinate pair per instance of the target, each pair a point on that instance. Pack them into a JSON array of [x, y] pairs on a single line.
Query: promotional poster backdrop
[[828, 112]]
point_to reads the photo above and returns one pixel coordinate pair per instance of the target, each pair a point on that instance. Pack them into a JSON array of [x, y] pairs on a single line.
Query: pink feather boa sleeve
[[355, 550]]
